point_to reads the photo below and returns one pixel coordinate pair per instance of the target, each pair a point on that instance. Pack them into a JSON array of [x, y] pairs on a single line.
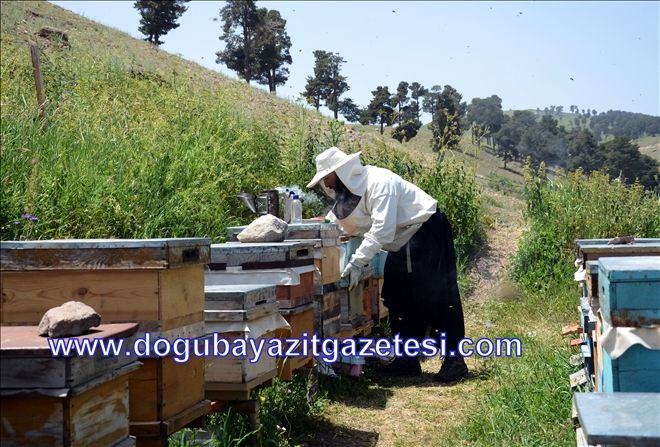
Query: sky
[[599, 55]]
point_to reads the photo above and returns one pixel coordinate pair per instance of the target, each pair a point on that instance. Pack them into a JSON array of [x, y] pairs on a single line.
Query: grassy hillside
[[142, 143], [649, 146]]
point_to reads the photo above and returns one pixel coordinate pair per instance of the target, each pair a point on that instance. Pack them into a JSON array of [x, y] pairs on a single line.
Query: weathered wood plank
[[144, 395], [238, 297], [117, 296], [187, 416], [32, 422], [100, 416], [181, 293], [215, 315], [105, 254], [94, 414], [28, 362], [236, 253], [182, 385], [231, 391]]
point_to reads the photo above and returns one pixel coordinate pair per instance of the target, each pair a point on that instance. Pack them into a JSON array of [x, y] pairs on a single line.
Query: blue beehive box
[[636, 370], [629, 292]]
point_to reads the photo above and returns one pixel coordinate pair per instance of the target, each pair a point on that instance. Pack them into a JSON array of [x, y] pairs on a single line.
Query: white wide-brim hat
[[329, 161]]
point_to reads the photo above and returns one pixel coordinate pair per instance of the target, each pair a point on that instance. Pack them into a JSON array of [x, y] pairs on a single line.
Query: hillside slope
[[142, 143]]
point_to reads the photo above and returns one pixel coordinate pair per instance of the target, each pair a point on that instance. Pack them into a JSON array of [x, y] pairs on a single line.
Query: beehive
[[158, 283], [73, 401], [629, 292]]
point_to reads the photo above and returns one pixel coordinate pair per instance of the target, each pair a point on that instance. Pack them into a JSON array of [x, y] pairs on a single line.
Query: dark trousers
[[420, 286]]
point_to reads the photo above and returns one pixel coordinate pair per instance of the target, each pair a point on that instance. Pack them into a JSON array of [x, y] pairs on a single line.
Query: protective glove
[[354, 274]]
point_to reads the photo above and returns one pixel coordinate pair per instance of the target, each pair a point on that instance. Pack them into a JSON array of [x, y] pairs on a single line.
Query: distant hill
[[606, 125]]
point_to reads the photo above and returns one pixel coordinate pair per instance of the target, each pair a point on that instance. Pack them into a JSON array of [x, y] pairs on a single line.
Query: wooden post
[[39, 84]]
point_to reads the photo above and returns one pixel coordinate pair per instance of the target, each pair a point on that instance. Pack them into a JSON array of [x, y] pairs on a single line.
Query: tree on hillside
[[506, 142], [583, 151], [327, 84], [400, 99], [431, 99], [159, 17], [417, 92], [406, 130], [272, 44], [380, 110], [624, 124], [486, 117], [624, 160], [407, 115], [240, 22], [446, 122], [350, 110]]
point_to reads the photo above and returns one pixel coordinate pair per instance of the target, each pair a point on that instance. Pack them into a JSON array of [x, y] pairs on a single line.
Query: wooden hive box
[[239, 297], [64, 401], [295, 285], [158, 283], [637, 370], [593, 249], [265, 255], [592, 284], [241, 311], [231, 376], [327, 311], [301, 321], [352, 310], [629, 292]]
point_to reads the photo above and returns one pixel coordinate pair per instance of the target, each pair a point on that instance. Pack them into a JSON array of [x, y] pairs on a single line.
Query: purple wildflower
[[30, 217]]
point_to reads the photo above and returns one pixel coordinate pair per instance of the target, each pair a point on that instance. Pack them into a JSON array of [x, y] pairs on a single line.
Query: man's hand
[[354, 274]]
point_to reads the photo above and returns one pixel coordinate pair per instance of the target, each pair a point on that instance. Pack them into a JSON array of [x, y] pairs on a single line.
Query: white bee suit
[[389, 212]]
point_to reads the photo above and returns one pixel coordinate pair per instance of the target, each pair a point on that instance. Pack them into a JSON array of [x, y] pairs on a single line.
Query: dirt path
[[376, 411]]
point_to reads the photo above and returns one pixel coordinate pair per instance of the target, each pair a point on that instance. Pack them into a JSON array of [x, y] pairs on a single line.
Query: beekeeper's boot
[[453, 369]]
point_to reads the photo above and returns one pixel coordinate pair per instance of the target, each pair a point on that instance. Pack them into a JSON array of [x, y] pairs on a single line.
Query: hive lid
[[633, 268], [25, 341], [94, 254]]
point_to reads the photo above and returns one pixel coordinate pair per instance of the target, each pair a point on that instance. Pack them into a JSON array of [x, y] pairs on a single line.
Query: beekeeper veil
[[351, 179]]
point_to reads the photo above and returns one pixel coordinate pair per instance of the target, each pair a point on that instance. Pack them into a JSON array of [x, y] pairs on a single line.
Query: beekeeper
[[420, 285]]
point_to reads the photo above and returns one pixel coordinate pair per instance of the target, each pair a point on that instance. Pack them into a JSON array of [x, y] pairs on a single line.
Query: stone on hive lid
[[266, 228], [71, 319]]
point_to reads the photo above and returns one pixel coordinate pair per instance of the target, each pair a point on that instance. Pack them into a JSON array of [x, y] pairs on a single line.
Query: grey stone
[[266, 228], [68, 320]]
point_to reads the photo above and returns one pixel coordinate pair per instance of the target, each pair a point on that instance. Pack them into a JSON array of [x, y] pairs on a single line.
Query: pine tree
[[159, 17], [272, 44], [240, 22], [380, 110], [327, 84]]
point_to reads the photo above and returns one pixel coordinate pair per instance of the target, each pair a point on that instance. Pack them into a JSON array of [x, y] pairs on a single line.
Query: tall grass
[[577, 207]]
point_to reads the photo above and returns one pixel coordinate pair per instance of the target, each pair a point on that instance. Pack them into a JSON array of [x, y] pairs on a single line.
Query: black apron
[[420, 285]]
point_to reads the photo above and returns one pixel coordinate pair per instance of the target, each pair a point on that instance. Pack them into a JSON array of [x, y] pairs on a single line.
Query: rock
[[68, 320], [266, 228]]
